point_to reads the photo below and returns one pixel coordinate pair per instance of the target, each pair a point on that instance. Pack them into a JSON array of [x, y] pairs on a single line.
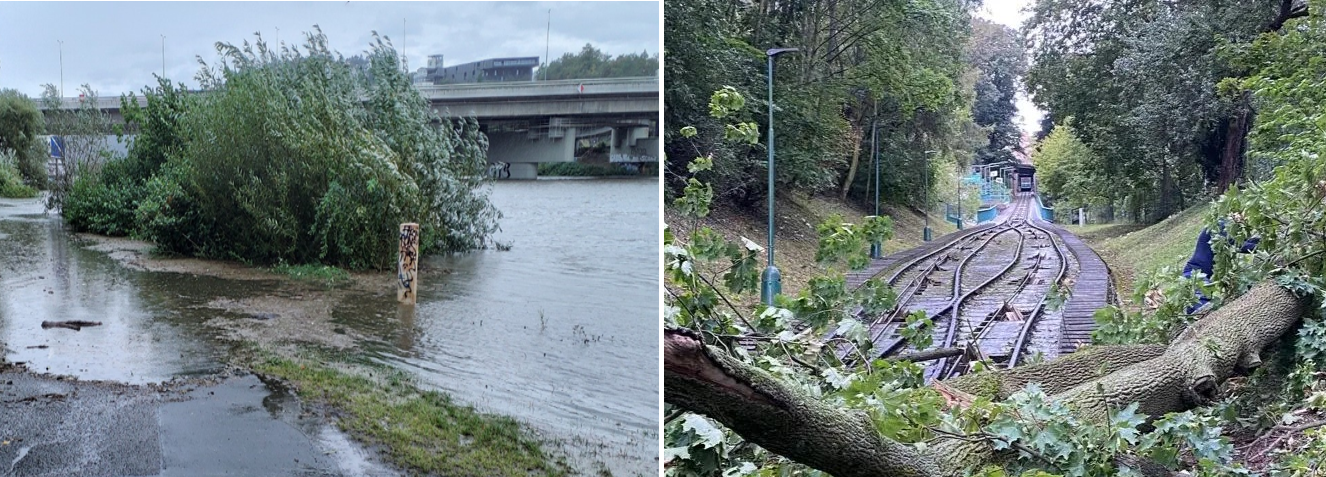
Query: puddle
[[244, 427]]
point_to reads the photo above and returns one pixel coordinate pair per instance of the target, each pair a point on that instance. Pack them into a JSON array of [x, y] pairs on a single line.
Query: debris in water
[[71, 324]]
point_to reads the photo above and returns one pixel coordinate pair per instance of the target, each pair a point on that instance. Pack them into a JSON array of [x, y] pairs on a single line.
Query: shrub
[[20, 126], [11, 184], [104, 201], [283, 160]]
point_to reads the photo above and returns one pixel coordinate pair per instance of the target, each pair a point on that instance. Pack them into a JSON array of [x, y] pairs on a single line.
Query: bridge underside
[[517, 147]]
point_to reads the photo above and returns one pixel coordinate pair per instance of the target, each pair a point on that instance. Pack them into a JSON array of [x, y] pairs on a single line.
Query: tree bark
[[778, 417], [851, 170], [842, 442], [1231, 157]]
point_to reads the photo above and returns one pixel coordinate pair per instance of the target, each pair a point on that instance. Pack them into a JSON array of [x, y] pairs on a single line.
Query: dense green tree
[[593, 63], [1063, 163], [1139, 76], [996, 53], [891, 71], [20, 125], [293, 156]]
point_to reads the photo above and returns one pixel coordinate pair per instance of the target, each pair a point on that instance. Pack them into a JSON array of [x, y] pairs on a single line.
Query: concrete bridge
[[538, 121]]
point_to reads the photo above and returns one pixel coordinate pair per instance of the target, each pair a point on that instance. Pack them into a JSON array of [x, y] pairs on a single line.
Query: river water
[[561, 331]]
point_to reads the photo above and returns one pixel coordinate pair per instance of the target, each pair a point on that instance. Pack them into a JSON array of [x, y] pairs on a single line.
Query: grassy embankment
[[422, 431], [796, 239], [1133, 251]]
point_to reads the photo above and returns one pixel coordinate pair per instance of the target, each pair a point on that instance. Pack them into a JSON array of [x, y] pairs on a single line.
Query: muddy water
[[149, 333], [561, 331]]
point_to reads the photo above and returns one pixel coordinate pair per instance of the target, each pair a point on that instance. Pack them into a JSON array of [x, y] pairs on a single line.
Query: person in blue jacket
[[1203, 260]]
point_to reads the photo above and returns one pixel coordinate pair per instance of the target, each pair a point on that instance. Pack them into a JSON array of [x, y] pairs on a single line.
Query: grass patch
[[797, 239], [1133, 252], [422, 431], [324, 275], [581, 169]]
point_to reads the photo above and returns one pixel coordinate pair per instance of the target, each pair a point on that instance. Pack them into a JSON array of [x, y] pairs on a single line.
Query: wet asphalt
[[53, 426]]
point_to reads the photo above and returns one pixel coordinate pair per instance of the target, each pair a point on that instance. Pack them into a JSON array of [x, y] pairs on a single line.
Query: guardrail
[[986, 214], [1047, 213]]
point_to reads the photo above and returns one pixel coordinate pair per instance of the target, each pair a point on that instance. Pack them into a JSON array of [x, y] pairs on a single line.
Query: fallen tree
[[788, 421]]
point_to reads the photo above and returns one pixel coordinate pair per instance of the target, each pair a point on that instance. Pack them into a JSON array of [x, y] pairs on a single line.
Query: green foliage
[[1063, 163], [1306, 461], [11, 182], [1139, 77], [593, 63], [420, 430], [20, 127], [788, 341], [996, 53], [1165, 297], [581, 169], [896, 68], [919, 329], [284, 161], [106, 200], [85, 130], [319, 274]]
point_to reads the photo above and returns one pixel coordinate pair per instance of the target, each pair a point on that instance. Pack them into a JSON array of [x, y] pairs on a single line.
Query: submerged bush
[[283, 159]]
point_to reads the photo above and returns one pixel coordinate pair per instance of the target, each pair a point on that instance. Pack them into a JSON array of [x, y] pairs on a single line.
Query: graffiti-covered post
[[407, 266]]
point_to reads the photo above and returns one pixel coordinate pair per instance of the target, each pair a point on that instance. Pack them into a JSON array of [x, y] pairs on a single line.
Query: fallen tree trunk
[[842, 442], [780, 418]]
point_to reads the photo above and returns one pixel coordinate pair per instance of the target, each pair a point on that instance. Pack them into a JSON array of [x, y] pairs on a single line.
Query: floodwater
[[561, 331]]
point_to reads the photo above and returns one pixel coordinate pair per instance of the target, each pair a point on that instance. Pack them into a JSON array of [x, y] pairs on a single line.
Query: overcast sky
[[116, 46], [1010, 12]]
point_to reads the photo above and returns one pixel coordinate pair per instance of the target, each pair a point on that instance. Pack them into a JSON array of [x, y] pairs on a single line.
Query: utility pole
[[61, 42], [163, 56], [547, 36]]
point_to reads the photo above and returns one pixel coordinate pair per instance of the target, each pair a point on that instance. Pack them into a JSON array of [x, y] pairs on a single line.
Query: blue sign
[[57, 147]]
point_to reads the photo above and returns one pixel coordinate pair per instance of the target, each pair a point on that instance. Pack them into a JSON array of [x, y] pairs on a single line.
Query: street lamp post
[[771, 282], [61, 42], [959, 199], [925, 194], [876, 248]]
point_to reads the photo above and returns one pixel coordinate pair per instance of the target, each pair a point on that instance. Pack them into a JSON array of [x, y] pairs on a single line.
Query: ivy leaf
[[676, 453], [709, 434]]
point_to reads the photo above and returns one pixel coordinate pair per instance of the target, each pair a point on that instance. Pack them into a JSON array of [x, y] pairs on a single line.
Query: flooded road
[[561, 331]]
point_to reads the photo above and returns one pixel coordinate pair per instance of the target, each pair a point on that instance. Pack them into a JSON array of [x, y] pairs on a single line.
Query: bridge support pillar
[[633, 144], [524, 150]]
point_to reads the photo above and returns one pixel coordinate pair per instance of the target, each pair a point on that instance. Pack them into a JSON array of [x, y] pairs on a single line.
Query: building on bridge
[[482, 71]]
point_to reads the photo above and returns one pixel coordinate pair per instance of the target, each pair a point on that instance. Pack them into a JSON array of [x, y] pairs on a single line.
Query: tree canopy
[[593, 63]]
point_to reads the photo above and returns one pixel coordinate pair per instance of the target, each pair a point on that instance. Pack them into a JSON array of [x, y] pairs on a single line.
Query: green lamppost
[[925, 187], [876, 248], [959, 198], [771, 282]]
